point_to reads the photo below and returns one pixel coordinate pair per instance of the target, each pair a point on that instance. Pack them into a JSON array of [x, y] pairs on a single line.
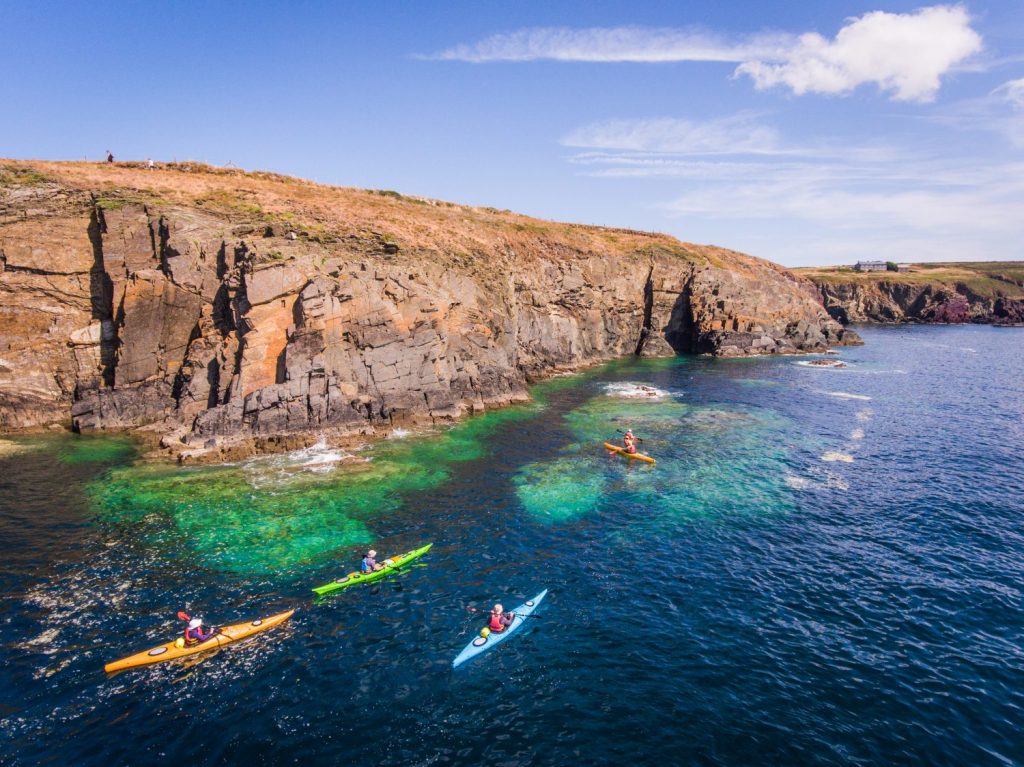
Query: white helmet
[[195, 623]]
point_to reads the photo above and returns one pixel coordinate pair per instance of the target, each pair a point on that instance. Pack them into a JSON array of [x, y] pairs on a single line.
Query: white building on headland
[[870, 266]]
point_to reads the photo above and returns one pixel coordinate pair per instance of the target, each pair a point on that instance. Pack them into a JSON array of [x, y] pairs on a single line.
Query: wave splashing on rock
[[631, 390]]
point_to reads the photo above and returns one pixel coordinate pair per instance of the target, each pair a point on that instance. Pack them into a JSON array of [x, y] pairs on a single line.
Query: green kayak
[[390, 565]]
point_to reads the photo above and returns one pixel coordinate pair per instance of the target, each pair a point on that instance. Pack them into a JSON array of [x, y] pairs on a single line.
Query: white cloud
[[616, 44], [903, 54]]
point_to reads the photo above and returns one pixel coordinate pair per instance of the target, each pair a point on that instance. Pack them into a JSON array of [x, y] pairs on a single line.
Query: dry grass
[[329, 213]]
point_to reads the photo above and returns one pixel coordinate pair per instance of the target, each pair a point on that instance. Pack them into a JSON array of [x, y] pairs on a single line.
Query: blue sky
[[807, 133]]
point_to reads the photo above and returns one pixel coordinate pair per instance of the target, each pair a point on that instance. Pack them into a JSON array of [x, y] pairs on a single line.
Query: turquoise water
[[824, 567]]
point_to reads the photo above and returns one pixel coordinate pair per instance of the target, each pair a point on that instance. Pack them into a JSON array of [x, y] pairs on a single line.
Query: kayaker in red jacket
[[500, 620], [629, 441]]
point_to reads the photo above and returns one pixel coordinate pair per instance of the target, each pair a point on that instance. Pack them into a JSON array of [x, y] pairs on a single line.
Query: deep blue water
[[824, 567]]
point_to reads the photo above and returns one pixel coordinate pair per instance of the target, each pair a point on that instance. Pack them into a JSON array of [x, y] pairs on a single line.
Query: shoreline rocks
[[225, 337]]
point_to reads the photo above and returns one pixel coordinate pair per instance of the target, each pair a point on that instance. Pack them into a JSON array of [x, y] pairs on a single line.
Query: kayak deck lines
[[482, 644], [390, 565], [170, 650], [633, 456]]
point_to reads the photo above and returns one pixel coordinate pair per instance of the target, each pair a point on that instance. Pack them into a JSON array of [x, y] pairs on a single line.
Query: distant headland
[[981, 291]]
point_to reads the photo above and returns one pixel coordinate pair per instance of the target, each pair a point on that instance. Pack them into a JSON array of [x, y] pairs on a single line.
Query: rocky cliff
[[230, 311], [985, 292]]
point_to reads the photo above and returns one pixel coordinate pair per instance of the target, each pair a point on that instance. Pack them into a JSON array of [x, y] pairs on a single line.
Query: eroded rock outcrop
[[302, 310], [997, 300]]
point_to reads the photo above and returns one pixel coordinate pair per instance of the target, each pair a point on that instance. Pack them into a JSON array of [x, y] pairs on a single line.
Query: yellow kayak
[[634, 456], [170, 651]]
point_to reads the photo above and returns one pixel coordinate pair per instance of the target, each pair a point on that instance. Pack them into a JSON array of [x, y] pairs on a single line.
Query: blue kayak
[[483, 644]]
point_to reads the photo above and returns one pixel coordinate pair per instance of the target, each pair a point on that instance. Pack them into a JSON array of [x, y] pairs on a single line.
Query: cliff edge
[[984, 292], [231, 311]]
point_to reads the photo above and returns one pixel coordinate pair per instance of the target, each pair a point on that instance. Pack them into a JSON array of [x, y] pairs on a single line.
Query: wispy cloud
[[616, 44], [904, 54], [982, 206], [1001, 111], [736, 134], [744, 133], [1012, 93], [911, 203]]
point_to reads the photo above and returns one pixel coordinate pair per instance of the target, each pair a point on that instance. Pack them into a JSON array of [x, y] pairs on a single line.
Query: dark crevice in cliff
[[181, 378], [213, 379], [101, 296], [223, 317], [646, 327], [236, 305], [679, 332], [164, 251], [222, 260]]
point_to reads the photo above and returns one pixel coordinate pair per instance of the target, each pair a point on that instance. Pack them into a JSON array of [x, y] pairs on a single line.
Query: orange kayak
[[170, 651], [634, 456]]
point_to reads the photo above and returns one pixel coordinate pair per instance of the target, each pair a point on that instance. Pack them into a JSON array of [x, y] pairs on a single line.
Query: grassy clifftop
[[332, 215], [996, 278]]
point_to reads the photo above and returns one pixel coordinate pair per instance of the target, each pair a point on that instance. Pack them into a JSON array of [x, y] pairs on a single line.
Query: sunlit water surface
[[824, 567]]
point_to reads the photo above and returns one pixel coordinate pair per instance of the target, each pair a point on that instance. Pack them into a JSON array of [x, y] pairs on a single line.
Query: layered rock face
[[895, 301], [229, 312]]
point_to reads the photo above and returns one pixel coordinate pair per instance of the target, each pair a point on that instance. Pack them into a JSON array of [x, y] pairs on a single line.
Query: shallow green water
[[276, 513]]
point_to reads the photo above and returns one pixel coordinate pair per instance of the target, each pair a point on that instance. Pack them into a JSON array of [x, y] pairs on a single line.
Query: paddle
[[184, 616], [520, 615], [620, 431]]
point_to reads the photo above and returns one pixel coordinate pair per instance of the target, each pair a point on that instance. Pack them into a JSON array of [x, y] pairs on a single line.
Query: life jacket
[[496, 624], [189, 639], [365, 565]]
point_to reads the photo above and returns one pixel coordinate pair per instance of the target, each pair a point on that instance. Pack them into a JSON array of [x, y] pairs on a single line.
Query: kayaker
[[629, 441], [369, 563], [194, 634], [500, 620]]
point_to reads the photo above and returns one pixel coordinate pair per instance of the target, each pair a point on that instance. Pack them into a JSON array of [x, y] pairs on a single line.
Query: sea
[[824, 567]]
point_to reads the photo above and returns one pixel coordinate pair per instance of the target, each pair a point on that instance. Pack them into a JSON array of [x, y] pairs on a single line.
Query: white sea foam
[[399, 433], [864, 415], [857, 434], [271, 470], [830, 482], [633, 390], [847, 395], [833, 456], [799, 483], [318, 455], [824, 364]]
